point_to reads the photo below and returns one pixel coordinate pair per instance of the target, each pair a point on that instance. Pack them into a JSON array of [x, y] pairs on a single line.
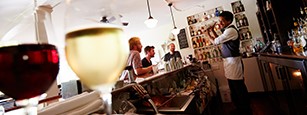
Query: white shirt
[[232, 65], [228, 34]]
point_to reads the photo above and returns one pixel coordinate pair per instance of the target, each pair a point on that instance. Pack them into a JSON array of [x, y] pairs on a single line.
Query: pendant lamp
[[175, 31], [150, 22]]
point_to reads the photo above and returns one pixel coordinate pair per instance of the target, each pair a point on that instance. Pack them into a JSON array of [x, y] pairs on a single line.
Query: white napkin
[[80, 104]]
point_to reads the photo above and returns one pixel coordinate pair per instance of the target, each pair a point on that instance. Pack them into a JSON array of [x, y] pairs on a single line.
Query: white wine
[[97, 55]]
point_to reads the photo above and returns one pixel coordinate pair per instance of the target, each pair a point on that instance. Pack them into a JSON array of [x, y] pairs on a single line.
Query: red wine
[[27, 70]]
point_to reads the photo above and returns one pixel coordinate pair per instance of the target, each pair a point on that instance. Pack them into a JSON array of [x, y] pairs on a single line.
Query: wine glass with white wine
[[95, 46]]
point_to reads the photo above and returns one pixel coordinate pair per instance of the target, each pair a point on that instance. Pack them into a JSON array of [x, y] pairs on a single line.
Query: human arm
[[228, 34], [211, 37], [143, 70], [137, 65]]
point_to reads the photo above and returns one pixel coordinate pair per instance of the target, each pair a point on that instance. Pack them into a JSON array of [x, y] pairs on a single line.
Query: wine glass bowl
[[95, 48], [27, 70]]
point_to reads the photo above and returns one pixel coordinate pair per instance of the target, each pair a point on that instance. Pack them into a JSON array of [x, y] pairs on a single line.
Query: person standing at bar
[[232, 60], [172, 53], [150, 53], [134, 59]]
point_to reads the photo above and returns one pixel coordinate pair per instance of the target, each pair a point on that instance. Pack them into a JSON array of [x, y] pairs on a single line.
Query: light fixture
[[175, 31], [150, 22]]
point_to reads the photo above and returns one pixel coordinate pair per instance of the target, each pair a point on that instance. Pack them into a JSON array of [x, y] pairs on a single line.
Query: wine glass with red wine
[[29, 62]]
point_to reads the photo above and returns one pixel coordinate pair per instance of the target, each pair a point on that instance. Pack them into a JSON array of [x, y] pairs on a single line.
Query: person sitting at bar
[[150, 53], [172, 53], [134, 59]]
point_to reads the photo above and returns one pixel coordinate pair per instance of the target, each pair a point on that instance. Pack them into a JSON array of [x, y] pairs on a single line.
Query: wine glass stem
[[107, 102], [29, 105], [36, 21]]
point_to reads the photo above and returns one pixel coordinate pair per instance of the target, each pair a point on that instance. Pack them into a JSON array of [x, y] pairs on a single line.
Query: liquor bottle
[[194, 43], [297, 47], [190, 20], [290, 42], [241, 22], [233, 9], [295, 23], [248, 34], [237, 9], [202, 29], [243, 36], [238, 23], [199, 41], [268, 5], [241, 7], [204, 41], [199, 31], [194, 20], [302, 12], [245, 21], [217, 13], [192, 33]]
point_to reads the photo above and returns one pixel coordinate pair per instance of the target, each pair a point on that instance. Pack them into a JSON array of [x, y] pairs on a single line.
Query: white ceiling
[[133, 11]]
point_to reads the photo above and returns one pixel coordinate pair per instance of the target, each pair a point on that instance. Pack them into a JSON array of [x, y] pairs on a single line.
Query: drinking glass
[[29, 62], [95, 48]]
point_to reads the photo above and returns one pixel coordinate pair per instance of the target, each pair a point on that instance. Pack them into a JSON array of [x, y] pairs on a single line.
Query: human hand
[[212, 26]]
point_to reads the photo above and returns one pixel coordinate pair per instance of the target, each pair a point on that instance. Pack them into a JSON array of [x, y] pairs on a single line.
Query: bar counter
[[173, 92], [284, 55], [284, 76], [149, 77]]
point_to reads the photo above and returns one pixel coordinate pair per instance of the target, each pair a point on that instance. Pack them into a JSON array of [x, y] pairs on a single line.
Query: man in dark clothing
[[150, 53], [172, 53]]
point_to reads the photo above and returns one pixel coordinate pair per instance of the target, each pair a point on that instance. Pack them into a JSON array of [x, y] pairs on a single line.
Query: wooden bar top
[[284, 55]]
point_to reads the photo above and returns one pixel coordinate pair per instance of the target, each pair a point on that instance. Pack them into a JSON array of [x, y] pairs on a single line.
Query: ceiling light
[[175, 31], [150, 22]]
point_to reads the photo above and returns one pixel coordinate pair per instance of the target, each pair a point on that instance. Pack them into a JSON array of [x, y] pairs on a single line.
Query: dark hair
[[148, 48], [228, 16]]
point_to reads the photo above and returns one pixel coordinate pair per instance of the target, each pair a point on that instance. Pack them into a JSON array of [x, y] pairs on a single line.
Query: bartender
[[172, 53], [232, 61], [134, 59]]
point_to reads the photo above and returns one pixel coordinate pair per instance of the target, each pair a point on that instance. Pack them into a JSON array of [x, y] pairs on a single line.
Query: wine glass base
[[29, 106]]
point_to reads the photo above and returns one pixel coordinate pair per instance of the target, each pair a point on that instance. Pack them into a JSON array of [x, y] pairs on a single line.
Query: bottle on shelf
[[199, 41], [192, 33], [243, 36], [241, 22], [290, 41], [245, 21], [295, 23], [241, 7], [237, 22], [276, 46], [194, 42], [190, 20], [217, 12], [194, 20], [303, 14], [199, 31], [298, 47], [248, 35], [268, 5]]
